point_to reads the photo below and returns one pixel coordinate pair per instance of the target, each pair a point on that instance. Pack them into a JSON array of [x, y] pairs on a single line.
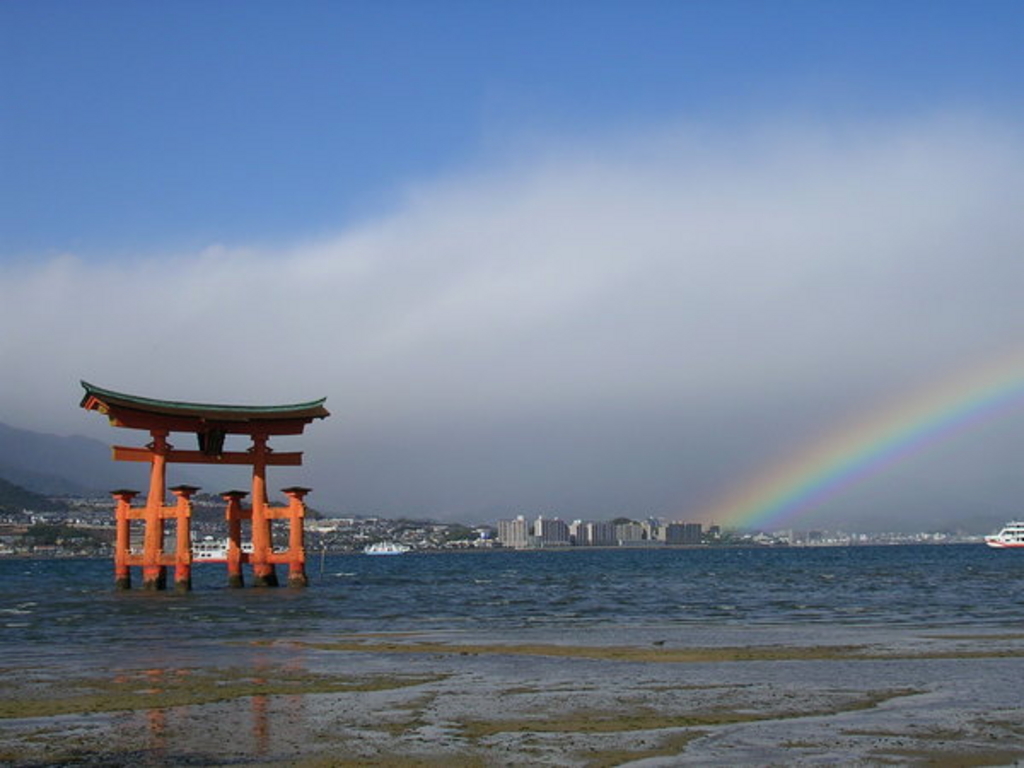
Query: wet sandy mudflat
[[652, 697]]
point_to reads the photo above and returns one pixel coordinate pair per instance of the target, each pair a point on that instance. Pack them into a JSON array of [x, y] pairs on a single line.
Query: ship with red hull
[[1010, 537]]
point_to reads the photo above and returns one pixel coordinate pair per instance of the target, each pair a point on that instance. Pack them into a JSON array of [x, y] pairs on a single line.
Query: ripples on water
[[71, 603]]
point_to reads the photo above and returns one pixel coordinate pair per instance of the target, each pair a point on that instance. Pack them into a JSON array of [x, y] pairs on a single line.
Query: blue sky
[[146, 126], [569, 258]]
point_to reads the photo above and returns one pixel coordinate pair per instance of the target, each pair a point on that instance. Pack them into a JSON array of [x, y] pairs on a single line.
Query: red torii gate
[[210, 423]]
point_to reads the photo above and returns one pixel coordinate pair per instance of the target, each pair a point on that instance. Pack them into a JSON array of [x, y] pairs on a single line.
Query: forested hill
[[14, 498], [52, 464]]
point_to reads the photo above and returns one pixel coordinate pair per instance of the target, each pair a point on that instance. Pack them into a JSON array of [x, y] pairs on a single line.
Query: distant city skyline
[[599, 258]]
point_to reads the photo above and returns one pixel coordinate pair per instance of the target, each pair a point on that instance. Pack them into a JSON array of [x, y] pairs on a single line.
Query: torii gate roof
[[135, 412]]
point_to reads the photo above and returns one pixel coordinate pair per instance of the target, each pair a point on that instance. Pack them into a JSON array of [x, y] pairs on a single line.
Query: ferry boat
[[386, 548], [1011, 537], [211, 550]]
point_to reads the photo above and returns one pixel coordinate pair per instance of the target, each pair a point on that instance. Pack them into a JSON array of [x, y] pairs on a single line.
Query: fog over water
[[632, 323]]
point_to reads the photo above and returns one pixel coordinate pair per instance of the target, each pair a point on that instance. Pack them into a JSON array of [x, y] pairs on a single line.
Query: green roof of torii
[[96, 396]]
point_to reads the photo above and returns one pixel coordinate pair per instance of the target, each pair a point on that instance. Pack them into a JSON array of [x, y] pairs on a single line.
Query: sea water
[[932, 636], [67, 611]]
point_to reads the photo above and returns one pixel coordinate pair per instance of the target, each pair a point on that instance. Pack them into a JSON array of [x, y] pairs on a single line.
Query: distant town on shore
[[64, 526]]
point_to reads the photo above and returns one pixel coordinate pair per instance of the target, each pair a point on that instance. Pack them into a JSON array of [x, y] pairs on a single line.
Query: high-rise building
[[602, 534], [684, 533], [514, 533], [629, 533], [578, 534], [653, 529], [551, 532], [590, 534]]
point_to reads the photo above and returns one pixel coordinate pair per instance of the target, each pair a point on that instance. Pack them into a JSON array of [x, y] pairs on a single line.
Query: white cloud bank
[[631, 324]]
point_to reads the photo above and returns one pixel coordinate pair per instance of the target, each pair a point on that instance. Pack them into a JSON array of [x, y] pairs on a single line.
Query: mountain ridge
[[14, 498], [57, 465]]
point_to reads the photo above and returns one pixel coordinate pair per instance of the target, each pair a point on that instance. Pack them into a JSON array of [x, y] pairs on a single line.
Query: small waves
[[72, 603]]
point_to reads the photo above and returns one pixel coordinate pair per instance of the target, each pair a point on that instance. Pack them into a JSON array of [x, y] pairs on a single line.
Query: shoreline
[[849, 657], [411, 699], [313, 554]]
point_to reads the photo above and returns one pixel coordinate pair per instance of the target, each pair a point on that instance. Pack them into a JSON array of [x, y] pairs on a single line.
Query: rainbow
[[849, 456]]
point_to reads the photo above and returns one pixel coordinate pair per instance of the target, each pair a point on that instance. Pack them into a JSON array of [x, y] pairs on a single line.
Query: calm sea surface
[[67, 609]]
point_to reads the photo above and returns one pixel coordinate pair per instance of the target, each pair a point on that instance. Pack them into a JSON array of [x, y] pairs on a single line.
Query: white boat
[[386, 548], [212, 550], [1011, 537]]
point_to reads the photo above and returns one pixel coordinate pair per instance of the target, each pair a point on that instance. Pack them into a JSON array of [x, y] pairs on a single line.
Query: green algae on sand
[[661, 654], [43, 696], [601, 653], [648, 719]]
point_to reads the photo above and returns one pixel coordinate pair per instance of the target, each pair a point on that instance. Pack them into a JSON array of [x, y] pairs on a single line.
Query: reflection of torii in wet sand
[[210, 423]]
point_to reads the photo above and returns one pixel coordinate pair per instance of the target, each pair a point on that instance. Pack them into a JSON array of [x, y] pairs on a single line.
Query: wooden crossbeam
[[165, 559], [170, 513], [286, 459], [269, 513], [120, 417], [279, 513], [166, 513], [282, 558]]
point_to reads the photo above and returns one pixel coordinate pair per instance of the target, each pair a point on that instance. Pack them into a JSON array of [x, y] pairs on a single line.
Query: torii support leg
[[296, 544], [122, 545], [263, 572], [234, 516], [183, 551], [154, 573]]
